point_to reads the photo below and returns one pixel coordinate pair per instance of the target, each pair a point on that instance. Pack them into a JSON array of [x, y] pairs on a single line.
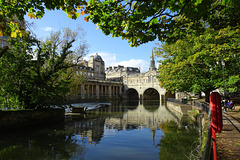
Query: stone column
[[110, 91], [97, 91], [120, 90], [91, 90]]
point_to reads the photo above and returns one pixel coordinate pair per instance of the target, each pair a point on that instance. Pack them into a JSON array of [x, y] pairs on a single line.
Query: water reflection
[[135, 130], [177, 143]]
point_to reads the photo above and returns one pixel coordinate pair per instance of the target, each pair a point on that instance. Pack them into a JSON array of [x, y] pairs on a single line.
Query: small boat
[[83, 107], [99, 105]]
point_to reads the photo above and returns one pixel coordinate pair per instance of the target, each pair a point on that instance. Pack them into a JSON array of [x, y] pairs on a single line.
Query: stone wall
[[21, 118], [181, 109]]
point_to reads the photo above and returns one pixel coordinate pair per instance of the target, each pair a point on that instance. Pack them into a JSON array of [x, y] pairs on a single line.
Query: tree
[[14, 69], [12, 14], [194, 64], [143, 21], [40, 77], [138, 21], [13, 11]]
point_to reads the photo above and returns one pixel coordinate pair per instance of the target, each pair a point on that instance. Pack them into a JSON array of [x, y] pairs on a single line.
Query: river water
[[125, 130]]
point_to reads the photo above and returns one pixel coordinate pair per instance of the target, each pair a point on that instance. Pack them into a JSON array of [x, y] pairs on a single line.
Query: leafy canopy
[[12, 12], [194, 64], [142, 21], [138, 21]]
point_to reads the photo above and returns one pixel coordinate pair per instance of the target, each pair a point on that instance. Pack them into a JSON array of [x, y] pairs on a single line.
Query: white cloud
[[111, 60], [47, 29]]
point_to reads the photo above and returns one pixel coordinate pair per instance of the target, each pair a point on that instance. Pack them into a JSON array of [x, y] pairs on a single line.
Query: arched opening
[[151, 94], [131, 94]]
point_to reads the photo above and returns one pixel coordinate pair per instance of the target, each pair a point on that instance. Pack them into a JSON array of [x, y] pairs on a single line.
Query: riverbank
[[21, 118], [228, 141]]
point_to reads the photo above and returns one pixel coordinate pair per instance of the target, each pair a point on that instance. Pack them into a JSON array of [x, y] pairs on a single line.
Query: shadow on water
[[125, 130], [151, 106], [50, 141], [130, 105]]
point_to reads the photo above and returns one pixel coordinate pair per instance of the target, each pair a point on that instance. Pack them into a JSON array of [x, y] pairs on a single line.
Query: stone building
[[142, 78], [98, 66], [123, 82], [92, 69], [117, 73], [144, 85], [137, 85], [96, 86]]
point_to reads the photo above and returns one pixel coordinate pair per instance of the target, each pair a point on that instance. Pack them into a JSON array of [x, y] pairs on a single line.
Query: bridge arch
[[151, 94], [131, 94]]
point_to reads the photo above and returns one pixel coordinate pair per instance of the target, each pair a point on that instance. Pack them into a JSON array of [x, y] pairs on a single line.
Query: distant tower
[[98, 66], [152, 63]]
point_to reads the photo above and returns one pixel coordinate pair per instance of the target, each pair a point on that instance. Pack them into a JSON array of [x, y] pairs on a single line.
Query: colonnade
[[100, 89]]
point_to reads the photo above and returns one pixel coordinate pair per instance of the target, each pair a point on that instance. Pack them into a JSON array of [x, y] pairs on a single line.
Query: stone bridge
[[120, 82], [129, 90], [144, 86]]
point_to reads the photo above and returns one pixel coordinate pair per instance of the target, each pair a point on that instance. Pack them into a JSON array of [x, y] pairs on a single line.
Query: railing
[[208, 146], [205, 106], [174, 100]]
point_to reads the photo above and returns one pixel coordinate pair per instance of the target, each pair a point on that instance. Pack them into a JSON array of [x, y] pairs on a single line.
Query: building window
[[150, 78]]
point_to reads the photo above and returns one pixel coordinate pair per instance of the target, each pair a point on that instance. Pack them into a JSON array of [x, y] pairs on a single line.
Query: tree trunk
[[199, 95], [207, 95]]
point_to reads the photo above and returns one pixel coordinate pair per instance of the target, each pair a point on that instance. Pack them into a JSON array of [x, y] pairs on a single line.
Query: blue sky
[[113, 50]]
